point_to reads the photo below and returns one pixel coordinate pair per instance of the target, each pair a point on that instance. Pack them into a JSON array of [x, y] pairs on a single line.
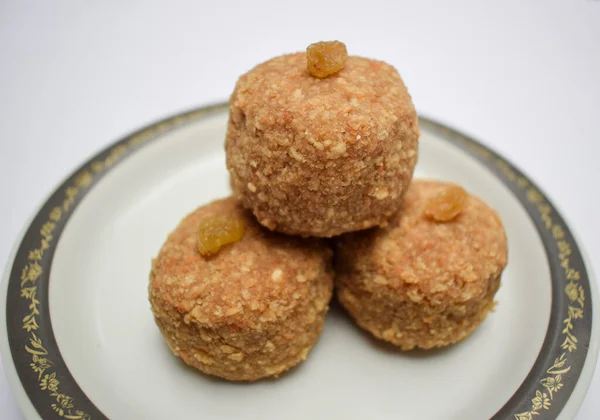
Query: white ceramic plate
[[79, 340]]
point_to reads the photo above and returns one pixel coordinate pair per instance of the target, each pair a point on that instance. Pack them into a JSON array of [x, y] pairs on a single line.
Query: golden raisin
[[326, 58], [447, 204], [218, 231]]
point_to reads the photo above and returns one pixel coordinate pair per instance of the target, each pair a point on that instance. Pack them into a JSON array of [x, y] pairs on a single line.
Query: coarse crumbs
[[419, 282], [352, 138], [245, 298]]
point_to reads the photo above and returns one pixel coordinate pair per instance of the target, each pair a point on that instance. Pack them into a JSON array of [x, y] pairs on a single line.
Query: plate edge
[[570, 408]]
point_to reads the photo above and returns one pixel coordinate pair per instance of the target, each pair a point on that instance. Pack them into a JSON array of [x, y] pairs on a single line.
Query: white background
[[522, 76]]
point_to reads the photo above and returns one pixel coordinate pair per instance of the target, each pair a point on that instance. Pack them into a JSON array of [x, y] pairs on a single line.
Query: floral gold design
[[64, 405], [553, 383]]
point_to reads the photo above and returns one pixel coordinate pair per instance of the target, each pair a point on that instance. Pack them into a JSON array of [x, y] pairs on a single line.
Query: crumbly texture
[[320, 157], [252, 310], [422, 283]]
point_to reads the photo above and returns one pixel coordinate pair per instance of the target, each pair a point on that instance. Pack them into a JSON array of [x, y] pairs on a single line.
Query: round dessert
[[251, 309], [315, 156], [428, 279]]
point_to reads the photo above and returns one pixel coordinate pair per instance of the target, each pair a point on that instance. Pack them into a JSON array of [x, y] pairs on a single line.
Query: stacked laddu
[[323, 145]]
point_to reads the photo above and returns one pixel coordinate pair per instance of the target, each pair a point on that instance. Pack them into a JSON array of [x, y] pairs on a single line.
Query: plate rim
[[477, 150]]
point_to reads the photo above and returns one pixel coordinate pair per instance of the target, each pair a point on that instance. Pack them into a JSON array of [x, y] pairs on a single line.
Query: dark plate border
[[54, 393]]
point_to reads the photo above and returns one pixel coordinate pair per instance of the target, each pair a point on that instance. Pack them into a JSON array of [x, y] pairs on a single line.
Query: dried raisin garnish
[[447, 204], [326, 58], [218, 231]]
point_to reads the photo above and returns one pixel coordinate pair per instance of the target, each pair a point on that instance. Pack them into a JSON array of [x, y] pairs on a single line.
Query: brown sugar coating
[[422, 283], [320, 157], [250, 311]]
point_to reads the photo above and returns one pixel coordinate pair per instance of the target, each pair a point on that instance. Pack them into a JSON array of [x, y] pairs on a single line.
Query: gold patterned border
[[574, 291], [66, 407], [42, 366], [553, 382]]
